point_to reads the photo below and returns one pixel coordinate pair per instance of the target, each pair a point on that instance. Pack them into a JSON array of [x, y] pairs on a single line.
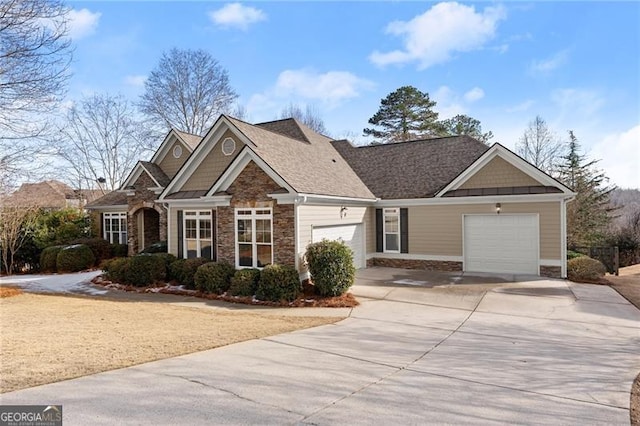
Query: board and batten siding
[[437, 230], [170, 164], [314, 216], [213, 165], [499, 173]]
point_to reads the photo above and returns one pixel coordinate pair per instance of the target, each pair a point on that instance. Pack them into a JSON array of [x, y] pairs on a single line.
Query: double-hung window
[[114, 227], [254, 237], [392, 230], [197, 234]]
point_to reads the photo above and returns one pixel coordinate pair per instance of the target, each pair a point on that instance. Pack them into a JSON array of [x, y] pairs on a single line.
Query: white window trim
[[226, 150], [388, 212], [111, 216], [198, 215], [254, 245]]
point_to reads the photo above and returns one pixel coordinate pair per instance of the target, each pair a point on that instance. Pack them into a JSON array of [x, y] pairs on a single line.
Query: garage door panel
[[352, 235], [501, 243]]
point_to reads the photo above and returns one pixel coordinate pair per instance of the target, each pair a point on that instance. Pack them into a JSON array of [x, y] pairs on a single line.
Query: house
[[259, 194], [50, 195]]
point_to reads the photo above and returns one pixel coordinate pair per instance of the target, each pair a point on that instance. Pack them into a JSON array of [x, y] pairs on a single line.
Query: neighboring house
[[50, 195], [259, 194]]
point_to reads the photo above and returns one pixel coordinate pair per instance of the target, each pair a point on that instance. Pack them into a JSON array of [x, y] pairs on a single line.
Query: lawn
[[45, 339]]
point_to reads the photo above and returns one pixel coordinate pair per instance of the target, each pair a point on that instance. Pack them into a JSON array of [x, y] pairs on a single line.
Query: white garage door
[[501, 243], [351, 235]]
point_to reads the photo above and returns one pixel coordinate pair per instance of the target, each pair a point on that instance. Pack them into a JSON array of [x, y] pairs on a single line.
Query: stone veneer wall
[[142, 198], [250, 190], [430, 265], [551, 271]]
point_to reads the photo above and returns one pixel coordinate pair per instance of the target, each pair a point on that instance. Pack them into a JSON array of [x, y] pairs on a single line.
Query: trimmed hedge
[[158, 247], [119, 250], [214, 277], [101, 248], [331, 267], [145, 269], [116, 269], [184, 270], [168, 260], [49, 258], [244, 282], [74, 258], [278, 283], [585, 268]]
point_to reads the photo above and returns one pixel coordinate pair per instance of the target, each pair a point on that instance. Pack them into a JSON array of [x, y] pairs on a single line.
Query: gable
[[499, 173], [170, 164], [252, 184], [213, 165]]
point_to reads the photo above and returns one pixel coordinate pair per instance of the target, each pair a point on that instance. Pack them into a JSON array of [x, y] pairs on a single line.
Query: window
[[228, 146], [115, 227], [177, 151], [392, 230], [254, 242], [197, 234]]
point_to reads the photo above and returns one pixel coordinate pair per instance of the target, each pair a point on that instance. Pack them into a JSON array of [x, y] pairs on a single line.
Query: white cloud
[[236, 15], [82, 23], [474, 94], [332, 86], [135, 80], [619, 154], [433, 37], [545, 66]]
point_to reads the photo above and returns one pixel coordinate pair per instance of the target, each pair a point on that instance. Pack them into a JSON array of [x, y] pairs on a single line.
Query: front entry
[[148, 228]]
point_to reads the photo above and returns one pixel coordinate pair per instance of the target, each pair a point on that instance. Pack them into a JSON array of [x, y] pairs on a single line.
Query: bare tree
[[15, 225], [540, 146], [187, 91], [101, 139], [34, 68], [310, 116]]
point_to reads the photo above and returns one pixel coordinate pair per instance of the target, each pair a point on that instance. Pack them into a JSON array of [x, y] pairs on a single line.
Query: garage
[[352, 235], [501, 243]]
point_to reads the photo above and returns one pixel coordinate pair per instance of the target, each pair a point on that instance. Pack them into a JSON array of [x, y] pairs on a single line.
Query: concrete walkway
[[438, 351]]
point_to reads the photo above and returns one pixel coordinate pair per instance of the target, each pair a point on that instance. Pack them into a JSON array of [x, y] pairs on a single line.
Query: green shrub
[[49, 258], [115, 269], [331, 267], [244, 282], [144, 270], [100, 247], [278, 283], [67, 232], [184, 270], [74, 258], [158, 247], [585, 268], [214, 277], [119, 250], [573, 254], [168, 260]]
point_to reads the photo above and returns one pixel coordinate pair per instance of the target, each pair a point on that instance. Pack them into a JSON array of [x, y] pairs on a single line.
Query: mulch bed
[[8, 291], [308, 299]]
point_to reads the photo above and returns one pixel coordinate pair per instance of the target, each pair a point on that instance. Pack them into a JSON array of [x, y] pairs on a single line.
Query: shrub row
[[71, 258]]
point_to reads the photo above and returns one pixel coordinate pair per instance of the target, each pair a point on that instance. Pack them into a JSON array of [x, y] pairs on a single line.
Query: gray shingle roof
[[288, 127], [189, 139], [113, 198], [156, 172], [415, 169], [312, 166]]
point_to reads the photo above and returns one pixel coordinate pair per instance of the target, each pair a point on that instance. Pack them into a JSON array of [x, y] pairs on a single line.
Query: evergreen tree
[[404, 114], [464, 125], [588, 215]]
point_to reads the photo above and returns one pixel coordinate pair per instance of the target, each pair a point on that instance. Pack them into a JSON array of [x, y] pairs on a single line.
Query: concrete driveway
[[431, 349]]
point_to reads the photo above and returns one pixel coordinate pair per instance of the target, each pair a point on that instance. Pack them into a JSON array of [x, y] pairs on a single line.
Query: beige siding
[[310, 216], [169, 164], [499, 173], [214, 164], [173, 231], [437, 230]]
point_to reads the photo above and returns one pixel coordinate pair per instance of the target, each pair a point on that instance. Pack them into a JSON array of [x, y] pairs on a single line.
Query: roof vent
[[228, 146]]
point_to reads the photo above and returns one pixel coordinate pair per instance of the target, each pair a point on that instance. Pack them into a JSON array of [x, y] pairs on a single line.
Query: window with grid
[[254, 238], [115, 227], [392, 230], [197, 234]]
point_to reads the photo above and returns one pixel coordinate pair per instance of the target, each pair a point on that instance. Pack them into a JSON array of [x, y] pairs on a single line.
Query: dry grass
[[44, 339], [7, 291]]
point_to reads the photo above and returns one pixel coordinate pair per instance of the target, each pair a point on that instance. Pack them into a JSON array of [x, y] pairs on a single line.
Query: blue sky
[[576, 64]]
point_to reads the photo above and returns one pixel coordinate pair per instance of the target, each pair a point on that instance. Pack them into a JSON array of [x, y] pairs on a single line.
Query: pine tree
[[464, 125], [588, 215], [404, 114]]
